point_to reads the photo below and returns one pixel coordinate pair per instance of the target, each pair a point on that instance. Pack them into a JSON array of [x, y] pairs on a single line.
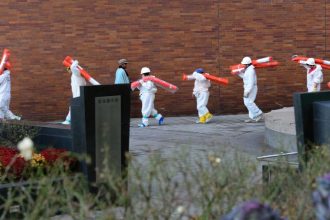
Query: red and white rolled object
[[265, 65], [324, 63], [262, 60], [161, 83], [257, 63], [68, 61], [218, 80], [4, 59], [235, 69]]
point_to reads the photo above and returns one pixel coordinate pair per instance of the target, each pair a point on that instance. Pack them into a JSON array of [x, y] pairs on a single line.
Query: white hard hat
[[145, 70], [310, 61], [246, 60]]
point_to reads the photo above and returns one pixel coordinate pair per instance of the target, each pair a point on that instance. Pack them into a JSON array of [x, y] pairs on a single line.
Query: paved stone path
[[226, 133]]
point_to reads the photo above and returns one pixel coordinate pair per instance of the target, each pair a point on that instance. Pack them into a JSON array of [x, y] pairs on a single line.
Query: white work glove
[[314, 87], [154, 90], [246, 93], [141, 81]]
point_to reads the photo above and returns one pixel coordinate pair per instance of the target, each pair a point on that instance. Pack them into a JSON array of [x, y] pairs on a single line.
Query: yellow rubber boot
[[208, 117], [202, 119]]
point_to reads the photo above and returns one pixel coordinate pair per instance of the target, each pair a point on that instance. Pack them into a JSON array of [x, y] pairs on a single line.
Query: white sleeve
[[4, 76], [241, 74], [74, 68], [190, 77], [199, 76], [303, 63], [306, 67], [318, 77]]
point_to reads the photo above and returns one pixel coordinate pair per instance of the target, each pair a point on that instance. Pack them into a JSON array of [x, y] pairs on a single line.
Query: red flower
[[4, 151], [19, 165], [11, 160], [53, 154], [15, 162], [6, 155]]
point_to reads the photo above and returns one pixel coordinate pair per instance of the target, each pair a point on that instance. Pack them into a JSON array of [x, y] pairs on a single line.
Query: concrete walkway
[[226, 133]]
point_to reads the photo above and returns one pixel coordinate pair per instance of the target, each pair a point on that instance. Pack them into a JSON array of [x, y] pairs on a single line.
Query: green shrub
[[11, 134], [181, 186]]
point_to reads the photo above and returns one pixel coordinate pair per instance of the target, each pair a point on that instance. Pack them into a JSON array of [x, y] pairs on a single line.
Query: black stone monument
[[322, 123], [304, 116], [100, 120]]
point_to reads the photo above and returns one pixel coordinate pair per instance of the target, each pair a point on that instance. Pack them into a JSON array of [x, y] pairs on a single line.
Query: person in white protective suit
[[314, 75], [201, 92], [5, 89], [250, 90], [76, 81], [147, 97]]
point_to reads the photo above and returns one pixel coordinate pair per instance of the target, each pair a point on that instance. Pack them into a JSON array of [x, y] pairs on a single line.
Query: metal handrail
[[276, 155], [286, 162]]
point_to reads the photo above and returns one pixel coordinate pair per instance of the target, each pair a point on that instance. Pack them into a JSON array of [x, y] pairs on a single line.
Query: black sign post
[[100, 120], [304, 116]]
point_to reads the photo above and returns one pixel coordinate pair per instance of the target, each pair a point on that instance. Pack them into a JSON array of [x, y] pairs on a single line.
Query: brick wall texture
[[170, 37]]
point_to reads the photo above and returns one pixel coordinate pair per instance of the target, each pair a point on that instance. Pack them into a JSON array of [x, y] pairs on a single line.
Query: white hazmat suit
[[147, 97], [314, 78], [76, 81], [250, 91], [5, 89], [201, 92]]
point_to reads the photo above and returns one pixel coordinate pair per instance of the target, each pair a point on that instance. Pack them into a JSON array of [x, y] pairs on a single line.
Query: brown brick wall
[[170, 37]]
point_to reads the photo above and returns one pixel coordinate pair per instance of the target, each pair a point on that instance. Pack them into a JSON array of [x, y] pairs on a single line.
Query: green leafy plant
[[183, 185], [11, 134]]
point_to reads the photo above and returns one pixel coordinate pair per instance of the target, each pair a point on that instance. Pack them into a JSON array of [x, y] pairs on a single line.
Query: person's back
[[201, 83], [76, 80]]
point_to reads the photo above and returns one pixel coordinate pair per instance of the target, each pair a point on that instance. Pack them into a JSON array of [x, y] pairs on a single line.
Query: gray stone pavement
[[225, 133]]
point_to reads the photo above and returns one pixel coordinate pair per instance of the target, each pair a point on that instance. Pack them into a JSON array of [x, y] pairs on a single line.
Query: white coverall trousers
[[148, 108], [5, 113], [253, 109], [202, 99]]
